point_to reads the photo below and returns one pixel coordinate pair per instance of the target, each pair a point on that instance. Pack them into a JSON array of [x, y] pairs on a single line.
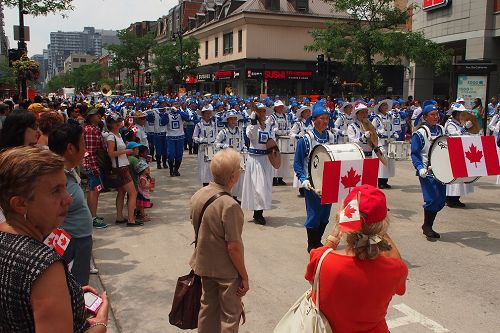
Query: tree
[[7, 75], [133, 52], [167, 61], [375, 30], [41, 7]]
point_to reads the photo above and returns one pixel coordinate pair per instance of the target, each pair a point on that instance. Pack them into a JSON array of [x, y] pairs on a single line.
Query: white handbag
[[304, 316]]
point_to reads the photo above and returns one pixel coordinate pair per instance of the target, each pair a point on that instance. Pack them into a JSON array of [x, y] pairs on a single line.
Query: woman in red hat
[[358, 282]]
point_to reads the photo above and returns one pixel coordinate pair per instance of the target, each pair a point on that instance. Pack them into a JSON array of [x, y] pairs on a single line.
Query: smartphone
[[92, 302]]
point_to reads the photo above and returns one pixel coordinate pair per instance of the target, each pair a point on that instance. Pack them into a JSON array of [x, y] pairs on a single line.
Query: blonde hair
[[225, 164], [368, 250], [20, 168]]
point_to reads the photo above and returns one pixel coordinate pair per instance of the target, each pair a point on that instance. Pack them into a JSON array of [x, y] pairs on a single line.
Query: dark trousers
[[79, 252]]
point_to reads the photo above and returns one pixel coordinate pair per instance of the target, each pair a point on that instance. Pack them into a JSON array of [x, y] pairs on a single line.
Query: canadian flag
[[62, 242], [473, 156], [340, 177], [51, 239], [349, 219]]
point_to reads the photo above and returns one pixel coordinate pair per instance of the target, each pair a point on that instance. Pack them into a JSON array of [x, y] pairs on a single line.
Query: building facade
[[76, 60], [471, 28], [257, 47], [62, 44]]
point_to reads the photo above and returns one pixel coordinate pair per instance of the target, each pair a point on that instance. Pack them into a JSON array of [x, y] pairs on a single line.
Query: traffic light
[[320, 65], [14, 55], [148, 77]]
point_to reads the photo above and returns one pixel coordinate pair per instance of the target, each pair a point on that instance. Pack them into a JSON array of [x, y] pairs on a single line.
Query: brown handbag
[[187, 295]]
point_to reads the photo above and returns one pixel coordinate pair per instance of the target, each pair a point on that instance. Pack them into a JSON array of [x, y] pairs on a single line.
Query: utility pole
[[23, 50]]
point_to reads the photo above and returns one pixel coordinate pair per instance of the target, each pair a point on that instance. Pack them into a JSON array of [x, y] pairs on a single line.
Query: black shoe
[[158, 165], [177, 165], [460, 204], [135, 224], [259, 220], [429, 233], [275, 181], [387, 186], [281, 182]]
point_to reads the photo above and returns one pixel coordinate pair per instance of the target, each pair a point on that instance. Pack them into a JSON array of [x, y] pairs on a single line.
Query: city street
[[452, 284]]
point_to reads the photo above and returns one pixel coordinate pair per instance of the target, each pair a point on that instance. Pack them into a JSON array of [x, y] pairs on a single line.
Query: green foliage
[[132, 53], [80, 78], [7, 74], [375, 30], [41, 7], [167, 61]]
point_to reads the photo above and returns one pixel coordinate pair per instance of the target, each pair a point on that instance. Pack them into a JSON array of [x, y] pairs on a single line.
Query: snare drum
[[399, 150], [243, 161], [439, 160], [325, 153], [285, 144], [210, 151]]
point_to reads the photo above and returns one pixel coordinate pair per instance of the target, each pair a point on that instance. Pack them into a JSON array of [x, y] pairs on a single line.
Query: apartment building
[[76, 60]]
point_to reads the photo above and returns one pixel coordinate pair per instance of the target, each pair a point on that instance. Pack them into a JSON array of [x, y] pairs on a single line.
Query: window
[[83, 60], [240, 40], [272, 4], [227, 43], [497, 6], [76, 59], [216, 46], [206, 49]]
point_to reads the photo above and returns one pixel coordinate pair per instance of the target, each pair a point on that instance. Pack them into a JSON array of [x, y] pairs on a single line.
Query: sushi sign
[[435, 4]]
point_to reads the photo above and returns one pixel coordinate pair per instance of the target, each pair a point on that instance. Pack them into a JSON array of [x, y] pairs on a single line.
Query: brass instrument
[[366, 125], [463, 117], [106, 90]]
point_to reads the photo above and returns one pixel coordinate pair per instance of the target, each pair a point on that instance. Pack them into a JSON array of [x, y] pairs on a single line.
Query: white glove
[[395, 135], [367, 134], [422, 173], [225, 146], [468, 124], [307, 185]]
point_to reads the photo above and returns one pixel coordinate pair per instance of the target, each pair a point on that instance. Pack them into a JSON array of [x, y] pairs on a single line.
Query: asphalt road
[[452, 284]]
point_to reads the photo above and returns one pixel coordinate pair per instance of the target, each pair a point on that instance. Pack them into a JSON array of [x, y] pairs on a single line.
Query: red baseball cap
[[372, 202]]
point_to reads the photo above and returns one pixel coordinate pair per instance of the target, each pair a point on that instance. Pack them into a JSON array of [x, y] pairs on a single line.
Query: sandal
[[145, 218], [121, 221], [135, 224]]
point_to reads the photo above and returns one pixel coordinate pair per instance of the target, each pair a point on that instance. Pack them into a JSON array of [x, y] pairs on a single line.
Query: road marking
[[412, 317]]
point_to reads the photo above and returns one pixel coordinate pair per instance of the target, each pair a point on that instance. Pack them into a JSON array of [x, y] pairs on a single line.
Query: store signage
[[470, 87], [430, 5], [204, 77], [279, 74], [226, 75]]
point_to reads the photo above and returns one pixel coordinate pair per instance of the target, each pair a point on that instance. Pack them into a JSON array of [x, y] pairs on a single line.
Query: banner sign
[[470, 87], [430, 5], [226, 75], [279, 74]]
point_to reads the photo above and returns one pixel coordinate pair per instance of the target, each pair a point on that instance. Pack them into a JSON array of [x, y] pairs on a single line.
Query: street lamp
[[21, 45]]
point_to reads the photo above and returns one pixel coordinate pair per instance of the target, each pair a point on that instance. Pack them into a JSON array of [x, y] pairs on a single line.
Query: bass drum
[[333, 152], [439, 161]]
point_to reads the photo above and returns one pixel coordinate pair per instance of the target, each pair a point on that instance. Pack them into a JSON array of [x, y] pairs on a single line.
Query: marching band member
[[342, 123], [232, 137], [279, 120], [453, 127], [383, 124], [433, 191], [161, 136], [317, 214], [139, 123], [296, 133], [356, 132], [204, 134], [189, 129], [257, 183], [150, 129], [175, 139]]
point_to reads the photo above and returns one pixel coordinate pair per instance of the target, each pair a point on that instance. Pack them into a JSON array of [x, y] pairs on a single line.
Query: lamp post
[[21, 45]]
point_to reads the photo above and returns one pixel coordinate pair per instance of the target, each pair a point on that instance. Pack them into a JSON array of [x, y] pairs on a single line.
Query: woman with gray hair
[[37, 293], [219, 255], [358, 282]]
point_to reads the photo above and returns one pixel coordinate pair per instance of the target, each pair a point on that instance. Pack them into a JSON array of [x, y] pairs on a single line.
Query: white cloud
[[101, 14]]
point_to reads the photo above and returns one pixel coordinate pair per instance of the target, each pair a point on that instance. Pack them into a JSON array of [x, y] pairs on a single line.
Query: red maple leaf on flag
[[351, 179], [63, 241], [51, 241], [348, 211], [474, 155]]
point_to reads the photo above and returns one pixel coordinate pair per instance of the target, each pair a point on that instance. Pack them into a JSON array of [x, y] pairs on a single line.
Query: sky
[[101, 14]]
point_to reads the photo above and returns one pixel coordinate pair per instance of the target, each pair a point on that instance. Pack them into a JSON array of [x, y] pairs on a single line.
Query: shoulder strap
[[200, 219], [116, 149], [316, 277]]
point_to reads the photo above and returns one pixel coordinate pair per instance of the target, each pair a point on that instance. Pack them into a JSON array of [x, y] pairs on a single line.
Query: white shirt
[[120, 145]]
